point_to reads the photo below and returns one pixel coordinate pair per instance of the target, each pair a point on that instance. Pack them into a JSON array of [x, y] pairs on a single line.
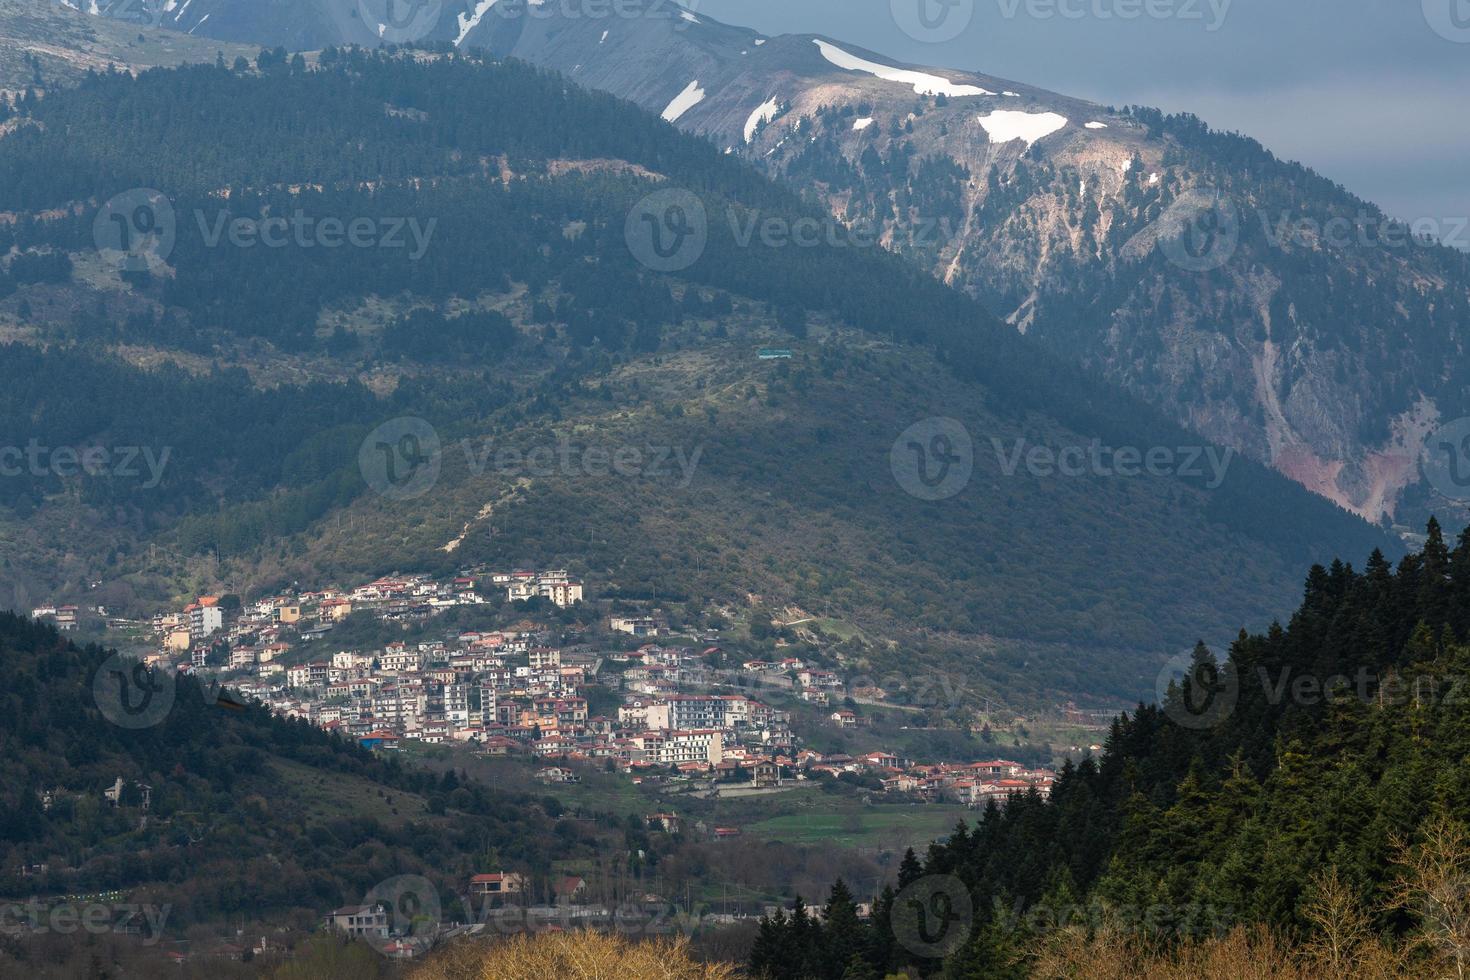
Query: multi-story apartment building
[[399, 658], [399, 708], [557, 586], [457, 704], [671, 748], [543, 658], [205, 617]]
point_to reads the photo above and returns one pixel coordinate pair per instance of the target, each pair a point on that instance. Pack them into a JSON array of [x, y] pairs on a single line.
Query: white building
[[557, 586], [670, 748]]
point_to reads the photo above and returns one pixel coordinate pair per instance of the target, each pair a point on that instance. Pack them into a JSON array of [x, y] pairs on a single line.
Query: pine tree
[[843, 936], [909, 869]]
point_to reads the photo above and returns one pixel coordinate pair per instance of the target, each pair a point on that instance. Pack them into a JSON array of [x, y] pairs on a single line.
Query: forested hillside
[[513, 310], [1313, 782], [244, 813]]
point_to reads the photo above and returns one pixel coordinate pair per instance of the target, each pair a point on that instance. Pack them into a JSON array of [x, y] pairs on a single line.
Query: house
[[498, 745], [844, 718], [556, 774], [569, 889], [634, 625], [497, 886], [765, 773], [379, 740], [667, 822], [360, 920], [399, 950], [810, 677], [144, 793]]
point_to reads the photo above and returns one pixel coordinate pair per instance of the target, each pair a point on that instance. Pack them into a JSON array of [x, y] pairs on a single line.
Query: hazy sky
[[1374, 94]]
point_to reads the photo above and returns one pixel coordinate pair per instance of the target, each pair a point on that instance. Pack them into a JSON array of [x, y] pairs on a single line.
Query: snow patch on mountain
[[763, 113], [923, 83], [1005, 125], [1097, 125], [684, 101], [859, 125], [468, 22]]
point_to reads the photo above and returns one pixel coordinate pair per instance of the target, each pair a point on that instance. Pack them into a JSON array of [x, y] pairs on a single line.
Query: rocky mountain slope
[[1252, 300], [44, 43]]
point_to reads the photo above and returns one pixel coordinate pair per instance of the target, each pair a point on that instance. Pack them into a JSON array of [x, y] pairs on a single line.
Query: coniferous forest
[[1299, 801]]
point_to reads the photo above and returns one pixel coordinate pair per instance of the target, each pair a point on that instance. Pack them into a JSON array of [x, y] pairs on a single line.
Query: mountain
[[515, 314], [48, 44], [1296, 336], [1308, 791], [1252, 300]]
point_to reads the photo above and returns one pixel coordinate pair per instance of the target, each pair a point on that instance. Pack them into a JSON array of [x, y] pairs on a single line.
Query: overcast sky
[[1374, 94]]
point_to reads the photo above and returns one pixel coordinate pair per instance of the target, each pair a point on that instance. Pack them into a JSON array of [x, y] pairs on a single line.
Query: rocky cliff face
[[1260, 304]]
